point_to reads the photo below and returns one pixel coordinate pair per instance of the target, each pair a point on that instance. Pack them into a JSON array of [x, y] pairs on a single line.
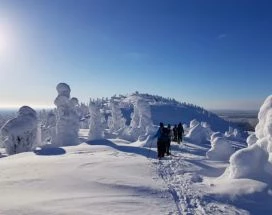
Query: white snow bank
[[255, 162], [248, 163], [236, 188], [221, 149], [20, 133]]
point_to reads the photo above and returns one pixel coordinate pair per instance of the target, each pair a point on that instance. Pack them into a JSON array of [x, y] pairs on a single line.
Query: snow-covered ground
[[117, 177]]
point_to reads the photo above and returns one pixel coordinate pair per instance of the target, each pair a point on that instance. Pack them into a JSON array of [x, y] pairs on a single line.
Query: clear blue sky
[[216, 54]]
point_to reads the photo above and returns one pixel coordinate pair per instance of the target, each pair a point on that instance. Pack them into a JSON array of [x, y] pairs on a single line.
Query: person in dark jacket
[[161, 142], [168, 141], [180, 133], [175, 133]]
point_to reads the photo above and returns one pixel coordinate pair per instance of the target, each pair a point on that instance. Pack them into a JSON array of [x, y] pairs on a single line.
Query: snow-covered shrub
[[116, 121], [198, 134], [256, 160], [96, 128], [251, 139], [220, 150], [20, 133], [67, 125]]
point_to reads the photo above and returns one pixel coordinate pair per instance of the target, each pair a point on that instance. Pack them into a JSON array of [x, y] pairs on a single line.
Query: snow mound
[[221, 149], [248, 163]]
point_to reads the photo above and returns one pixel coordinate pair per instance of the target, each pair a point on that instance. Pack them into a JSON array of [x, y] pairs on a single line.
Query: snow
[[255, 161], [221, 149], [198, 134], [96, 130], [251, 139], [20, 133], [117, 176], [67, 125], [85, 179], [116, 121]]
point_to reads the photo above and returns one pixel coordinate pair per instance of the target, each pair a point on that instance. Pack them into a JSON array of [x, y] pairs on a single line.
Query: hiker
[[168, 141], [175, 133], [162, 139], [180, 132]]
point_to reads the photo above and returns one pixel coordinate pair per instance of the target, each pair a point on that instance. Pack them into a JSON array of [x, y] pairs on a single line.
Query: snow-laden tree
[[141, 122], [20, 133], [255, 161], [145, 122], [197, 133], [84, 116], [116, 121], [96, 122], [67, 125], [221, 149], [135, 117]]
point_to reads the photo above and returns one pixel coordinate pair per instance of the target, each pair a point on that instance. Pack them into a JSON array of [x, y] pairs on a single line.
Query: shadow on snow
[[146, 152], [49, 151]]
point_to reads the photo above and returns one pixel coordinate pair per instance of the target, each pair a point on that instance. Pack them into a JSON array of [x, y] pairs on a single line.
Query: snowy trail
[[181, 175]]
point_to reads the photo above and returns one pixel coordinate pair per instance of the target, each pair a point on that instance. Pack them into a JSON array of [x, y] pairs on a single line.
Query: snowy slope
[[83, 179], [171, 111]]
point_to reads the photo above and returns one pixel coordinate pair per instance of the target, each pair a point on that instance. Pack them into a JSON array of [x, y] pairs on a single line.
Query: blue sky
[[216, 54]]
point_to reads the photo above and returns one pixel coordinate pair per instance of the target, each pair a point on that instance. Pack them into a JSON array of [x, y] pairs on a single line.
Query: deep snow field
[[118, 177]]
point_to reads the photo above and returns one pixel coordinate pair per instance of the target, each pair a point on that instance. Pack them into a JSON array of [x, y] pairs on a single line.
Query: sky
[[215, 54]]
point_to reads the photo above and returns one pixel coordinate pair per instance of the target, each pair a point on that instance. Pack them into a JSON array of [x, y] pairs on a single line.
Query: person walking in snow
[[175, 133], [161, 141], [168, 141], [180, 133]]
